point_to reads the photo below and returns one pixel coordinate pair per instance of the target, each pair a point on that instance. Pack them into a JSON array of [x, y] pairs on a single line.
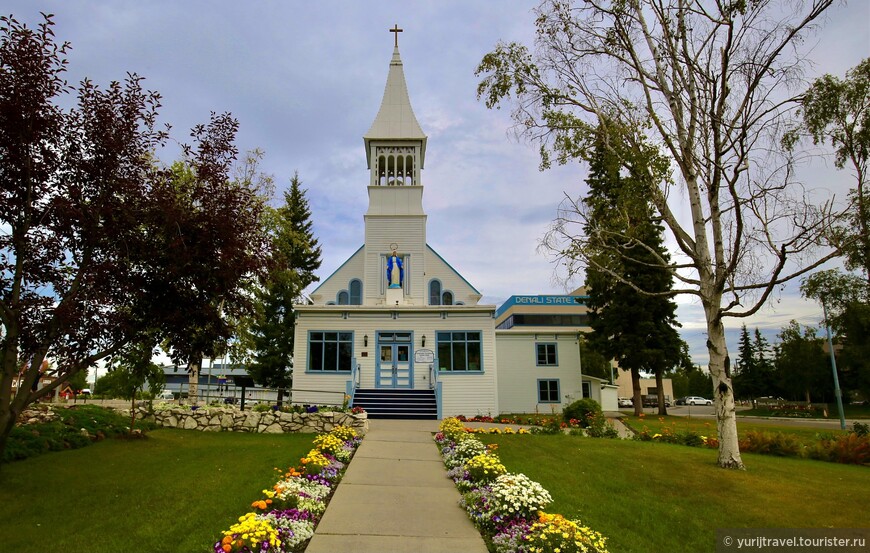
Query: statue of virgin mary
[[395, 271]]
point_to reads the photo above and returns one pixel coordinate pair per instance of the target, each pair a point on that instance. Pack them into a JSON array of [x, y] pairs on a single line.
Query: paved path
[[396, 497]]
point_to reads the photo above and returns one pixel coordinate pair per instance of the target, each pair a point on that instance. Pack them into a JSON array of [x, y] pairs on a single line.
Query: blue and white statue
[[395, 271]]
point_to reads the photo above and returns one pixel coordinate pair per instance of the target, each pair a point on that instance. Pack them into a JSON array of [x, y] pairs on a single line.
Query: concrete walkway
[[396, 497]]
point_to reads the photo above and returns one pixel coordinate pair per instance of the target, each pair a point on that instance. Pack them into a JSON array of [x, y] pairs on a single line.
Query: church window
[[355, 292], [434, 292], [447, 298], [546, 355], [459, 351], [342, 298], [548, 391], [330, 351]]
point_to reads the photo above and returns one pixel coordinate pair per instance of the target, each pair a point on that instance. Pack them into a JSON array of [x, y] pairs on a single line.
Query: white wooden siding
[[518, 373], [340, 279], [461, 393]]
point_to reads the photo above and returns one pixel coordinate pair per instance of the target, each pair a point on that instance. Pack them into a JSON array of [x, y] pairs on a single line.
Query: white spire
[[395, 119]]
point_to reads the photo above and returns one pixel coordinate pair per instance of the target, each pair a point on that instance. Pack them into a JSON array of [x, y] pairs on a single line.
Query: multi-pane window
[[330, 351], [459, 351], [342, 298], [548, 391], [546, 355]]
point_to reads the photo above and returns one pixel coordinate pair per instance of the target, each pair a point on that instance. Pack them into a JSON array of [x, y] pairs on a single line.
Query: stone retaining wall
[[223, 419]]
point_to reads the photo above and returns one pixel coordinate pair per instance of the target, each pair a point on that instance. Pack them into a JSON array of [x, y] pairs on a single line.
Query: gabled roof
[[395, 119]]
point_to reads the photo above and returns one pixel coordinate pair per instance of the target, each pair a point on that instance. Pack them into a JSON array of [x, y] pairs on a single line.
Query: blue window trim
[[452, 372], [429, 291], [308, 369], [555, 351], [558, 390], [350, 297]]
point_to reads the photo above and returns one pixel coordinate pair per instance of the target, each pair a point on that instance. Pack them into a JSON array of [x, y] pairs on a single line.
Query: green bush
[[583, 411], [66, 432], [860, 429]]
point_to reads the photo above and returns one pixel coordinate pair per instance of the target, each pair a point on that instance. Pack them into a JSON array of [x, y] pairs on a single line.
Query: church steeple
[[395, 144]]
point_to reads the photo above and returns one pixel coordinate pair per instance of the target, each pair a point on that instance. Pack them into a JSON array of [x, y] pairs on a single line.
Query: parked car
[[653, 401], [695, 400], [625, 402], [165, 395], [680, 401], [229, 400]]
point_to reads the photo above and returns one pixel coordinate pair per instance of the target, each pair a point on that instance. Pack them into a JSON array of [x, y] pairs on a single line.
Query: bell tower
[[395, 221]]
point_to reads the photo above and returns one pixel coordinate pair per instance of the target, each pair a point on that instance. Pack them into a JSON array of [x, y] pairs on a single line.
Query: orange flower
[[227, 548], [260, 504], [227, 539]]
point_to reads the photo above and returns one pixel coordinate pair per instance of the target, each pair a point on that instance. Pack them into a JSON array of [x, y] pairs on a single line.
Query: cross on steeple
[[396, 30]]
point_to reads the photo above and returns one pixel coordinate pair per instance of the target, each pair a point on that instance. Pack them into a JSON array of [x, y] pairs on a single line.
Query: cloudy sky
[[305, 80]]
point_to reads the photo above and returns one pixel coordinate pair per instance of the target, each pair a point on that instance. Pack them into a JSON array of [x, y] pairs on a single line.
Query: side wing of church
[[396, 327]]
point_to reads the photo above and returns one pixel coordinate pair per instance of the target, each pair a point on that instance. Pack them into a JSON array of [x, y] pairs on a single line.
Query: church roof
[[395, 119]]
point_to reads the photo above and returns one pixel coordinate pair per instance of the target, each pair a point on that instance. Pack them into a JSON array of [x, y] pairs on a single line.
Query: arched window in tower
[[434, 292], [382, 170], [409, 171], [342, 298], [355, 292], [447, 298]]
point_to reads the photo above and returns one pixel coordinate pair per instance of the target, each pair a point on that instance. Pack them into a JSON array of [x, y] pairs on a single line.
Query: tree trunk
[[660, 392], [133, 412], [723, 394], [635, 392], [280, 400]]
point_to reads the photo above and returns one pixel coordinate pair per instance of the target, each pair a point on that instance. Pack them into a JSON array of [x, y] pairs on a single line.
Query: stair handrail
[[433, 375]]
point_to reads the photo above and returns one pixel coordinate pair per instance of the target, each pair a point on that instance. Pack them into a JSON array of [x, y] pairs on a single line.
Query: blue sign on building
[[540, 300]]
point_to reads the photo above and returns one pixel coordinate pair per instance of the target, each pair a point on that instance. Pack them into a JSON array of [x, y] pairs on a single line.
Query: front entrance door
[[395, 369]]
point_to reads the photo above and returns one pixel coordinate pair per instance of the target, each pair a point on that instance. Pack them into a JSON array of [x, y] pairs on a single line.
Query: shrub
[[849, 449], [600, 427], [860, 429], [779, 444], [583, 410]]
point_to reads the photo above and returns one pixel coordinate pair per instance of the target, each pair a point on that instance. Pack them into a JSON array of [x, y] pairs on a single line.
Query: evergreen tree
[[295, 257], [744, 371], [637, 330]]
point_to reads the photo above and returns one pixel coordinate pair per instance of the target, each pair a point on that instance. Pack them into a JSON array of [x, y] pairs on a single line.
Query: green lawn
[[707, 427], [650, 497], [174, 492]]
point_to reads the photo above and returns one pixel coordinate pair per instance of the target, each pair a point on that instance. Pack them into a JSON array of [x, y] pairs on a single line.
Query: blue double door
[[395, 368]]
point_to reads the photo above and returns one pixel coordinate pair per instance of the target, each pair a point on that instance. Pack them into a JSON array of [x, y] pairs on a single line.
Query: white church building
[[396, 327]]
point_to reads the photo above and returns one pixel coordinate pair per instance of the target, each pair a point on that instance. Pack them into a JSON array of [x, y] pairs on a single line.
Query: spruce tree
[[295, 258], [637, 330]]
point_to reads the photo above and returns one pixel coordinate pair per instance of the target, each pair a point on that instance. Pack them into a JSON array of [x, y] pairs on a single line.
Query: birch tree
[[714, 85]]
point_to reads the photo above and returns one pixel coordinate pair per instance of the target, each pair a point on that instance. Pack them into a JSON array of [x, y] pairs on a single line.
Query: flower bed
[[284, 519], [507, 508]]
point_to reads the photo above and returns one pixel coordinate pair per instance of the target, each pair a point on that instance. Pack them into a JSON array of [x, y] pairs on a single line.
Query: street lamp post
[[837, 393]]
